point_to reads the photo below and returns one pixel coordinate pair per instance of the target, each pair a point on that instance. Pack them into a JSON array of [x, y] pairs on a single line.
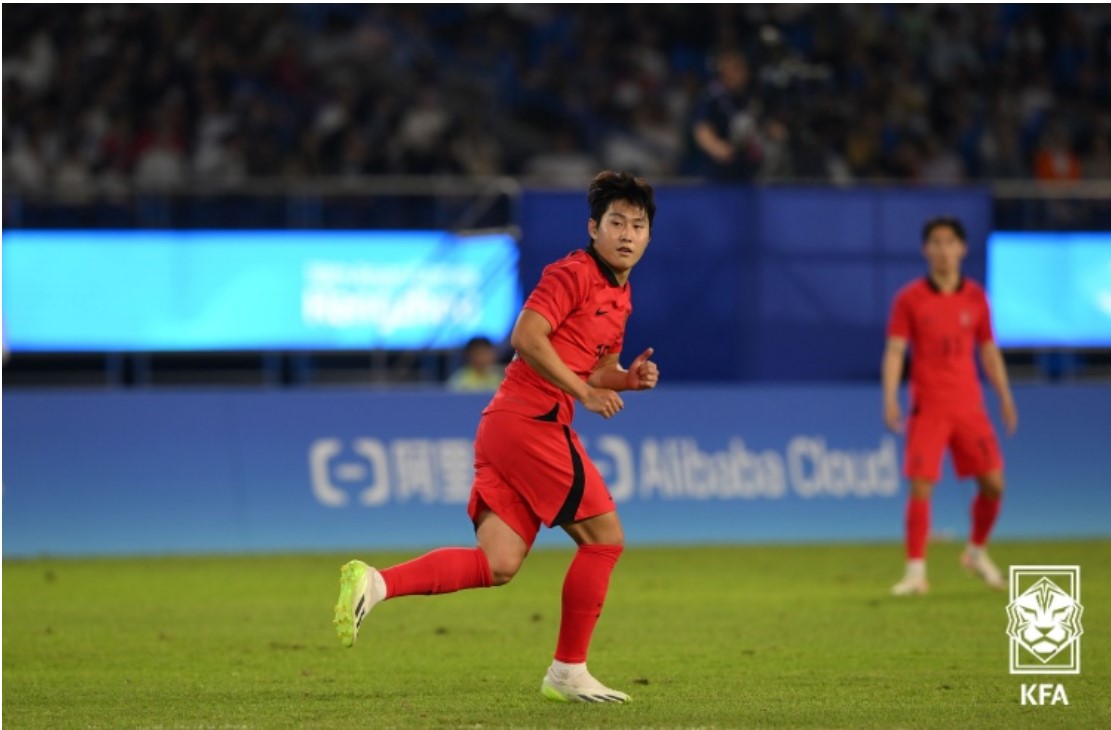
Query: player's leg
[[927, 435], [547, 472], [505, 528], [600, 540], [445, 570], [976, 453], [916, 534], [493, 562]]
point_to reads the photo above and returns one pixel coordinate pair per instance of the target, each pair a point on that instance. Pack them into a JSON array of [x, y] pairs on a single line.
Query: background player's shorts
[[970, 436], [531, 472]]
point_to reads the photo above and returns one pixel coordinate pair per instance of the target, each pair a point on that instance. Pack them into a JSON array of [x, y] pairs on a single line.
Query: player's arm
[[531, 339], [996, 372], [641, 375], [891, 371]]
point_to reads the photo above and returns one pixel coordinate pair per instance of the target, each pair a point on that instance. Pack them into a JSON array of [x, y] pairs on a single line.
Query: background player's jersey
[[587, 309], [944, 332]]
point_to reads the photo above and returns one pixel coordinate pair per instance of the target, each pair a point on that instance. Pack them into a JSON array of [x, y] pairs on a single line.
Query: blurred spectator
[[23, 162], [1097, 163], [650, 146], [566, 163], [727, 123], [72, 179], [481, 370], [475, 151], [1055, 159], [162, 164], [422, 133], [941, 164]]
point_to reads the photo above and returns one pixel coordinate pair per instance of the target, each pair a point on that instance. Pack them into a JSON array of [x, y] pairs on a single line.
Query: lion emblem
[[1044, 620]]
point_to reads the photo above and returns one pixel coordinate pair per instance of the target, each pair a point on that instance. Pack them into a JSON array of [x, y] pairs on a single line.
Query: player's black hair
[[944, 221], [609, 186]]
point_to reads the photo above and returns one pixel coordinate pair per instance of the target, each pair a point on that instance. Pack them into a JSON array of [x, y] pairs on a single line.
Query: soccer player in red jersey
[[945, 320], [530, 467]]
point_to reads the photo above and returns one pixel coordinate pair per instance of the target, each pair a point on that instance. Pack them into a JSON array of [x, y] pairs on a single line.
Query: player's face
[[621, 236], [944, 251]]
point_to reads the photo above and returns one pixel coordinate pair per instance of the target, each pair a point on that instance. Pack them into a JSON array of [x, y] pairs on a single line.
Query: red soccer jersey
[[943, 331], [587, 309]]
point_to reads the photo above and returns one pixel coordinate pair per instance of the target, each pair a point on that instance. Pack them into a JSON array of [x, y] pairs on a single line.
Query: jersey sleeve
[[900, 323], [984, 331], [556, 295]]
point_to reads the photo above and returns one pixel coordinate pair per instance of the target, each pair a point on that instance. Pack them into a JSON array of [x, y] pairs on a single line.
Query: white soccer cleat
[[578, 687], [979, 564], [359, 591], [911, 586]]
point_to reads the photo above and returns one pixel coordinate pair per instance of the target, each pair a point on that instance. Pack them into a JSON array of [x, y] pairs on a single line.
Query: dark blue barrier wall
[[765, 284], [140, 472]]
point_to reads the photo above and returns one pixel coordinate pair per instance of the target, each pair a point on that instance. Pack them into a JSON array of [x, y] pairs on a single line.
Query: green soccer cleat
[[358, 593], [580, 687]]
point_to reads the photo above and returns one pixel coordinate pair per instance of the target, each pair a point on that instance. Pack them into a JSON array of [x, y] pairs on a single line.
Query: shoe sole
[[919, 590], [971, 570], [551, 693], [352, 582]]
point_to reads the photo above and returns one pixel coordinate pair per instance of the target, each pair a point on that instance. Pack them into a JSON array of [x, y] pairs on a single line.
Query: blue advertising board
[[1050, 289], [236, 470], [149, 291]]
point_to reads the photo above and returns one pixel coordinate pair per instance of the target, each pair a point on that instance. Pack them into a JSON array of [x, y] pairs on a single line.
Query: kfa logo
[[1044, 619], [1044, 694]]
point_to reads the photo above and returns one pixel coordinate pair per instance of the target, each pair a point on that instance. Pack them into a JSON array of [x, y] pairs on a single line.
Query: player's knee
[[503, 568], [991, 485], [616, 538], [921, 489]]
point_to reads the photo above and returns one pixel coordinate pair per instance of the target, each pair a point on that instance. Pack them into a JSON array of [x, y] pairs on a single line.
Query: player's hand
[[606, 403], [893, 416], [1010, 416], [723, 153], [643, 373]]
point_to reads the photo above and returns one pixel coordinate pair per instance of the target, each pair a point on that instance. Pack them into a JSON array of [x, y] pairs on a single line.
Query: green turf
[[700, 637]]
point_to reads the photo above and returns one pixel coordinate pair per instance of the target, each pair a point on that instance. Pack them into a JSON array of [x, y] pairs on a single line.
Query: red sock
[[584, 592], [918, 527], [984, 512], [441, 571]]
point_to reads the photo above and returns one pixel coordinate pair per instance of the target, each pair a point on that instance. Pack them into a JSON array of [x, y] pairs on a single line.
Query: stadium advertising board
[[150, 291], [239, 470], [1050, 289]]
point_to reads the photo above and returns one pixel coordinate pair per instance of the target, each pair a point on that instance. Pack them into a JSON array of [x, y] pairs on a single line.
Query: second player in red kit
[[945, 320]]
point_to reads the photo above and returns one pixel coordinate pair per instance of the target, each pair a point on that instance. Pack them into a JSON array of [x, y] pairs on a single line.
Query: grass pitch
[[700, 637]]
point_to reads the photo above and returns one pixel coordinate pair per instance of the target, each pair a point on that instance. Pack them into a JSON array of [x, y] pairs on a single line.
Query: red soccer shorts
[[969, 436], [529, 472]]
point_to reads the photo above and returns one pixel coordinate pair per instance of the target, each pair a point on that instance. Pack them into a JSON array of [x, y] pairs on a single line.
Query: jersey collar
[[607, 272], [937, 290]]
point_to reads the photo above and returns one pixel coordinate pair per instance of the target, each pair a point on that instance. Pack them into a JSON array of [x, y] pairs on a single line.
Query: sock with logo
[[441, 571], [917, 527], [985, 510], [584, 593]]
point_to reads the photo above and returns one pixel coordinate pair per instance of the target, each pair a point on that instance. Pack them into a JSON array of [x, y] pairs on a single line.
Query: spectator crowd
[[167, 95]]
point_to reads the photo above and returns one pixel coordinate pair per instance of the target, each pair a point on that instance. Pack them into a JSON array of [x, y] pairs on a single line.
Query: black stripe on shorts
[[578, 483]]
